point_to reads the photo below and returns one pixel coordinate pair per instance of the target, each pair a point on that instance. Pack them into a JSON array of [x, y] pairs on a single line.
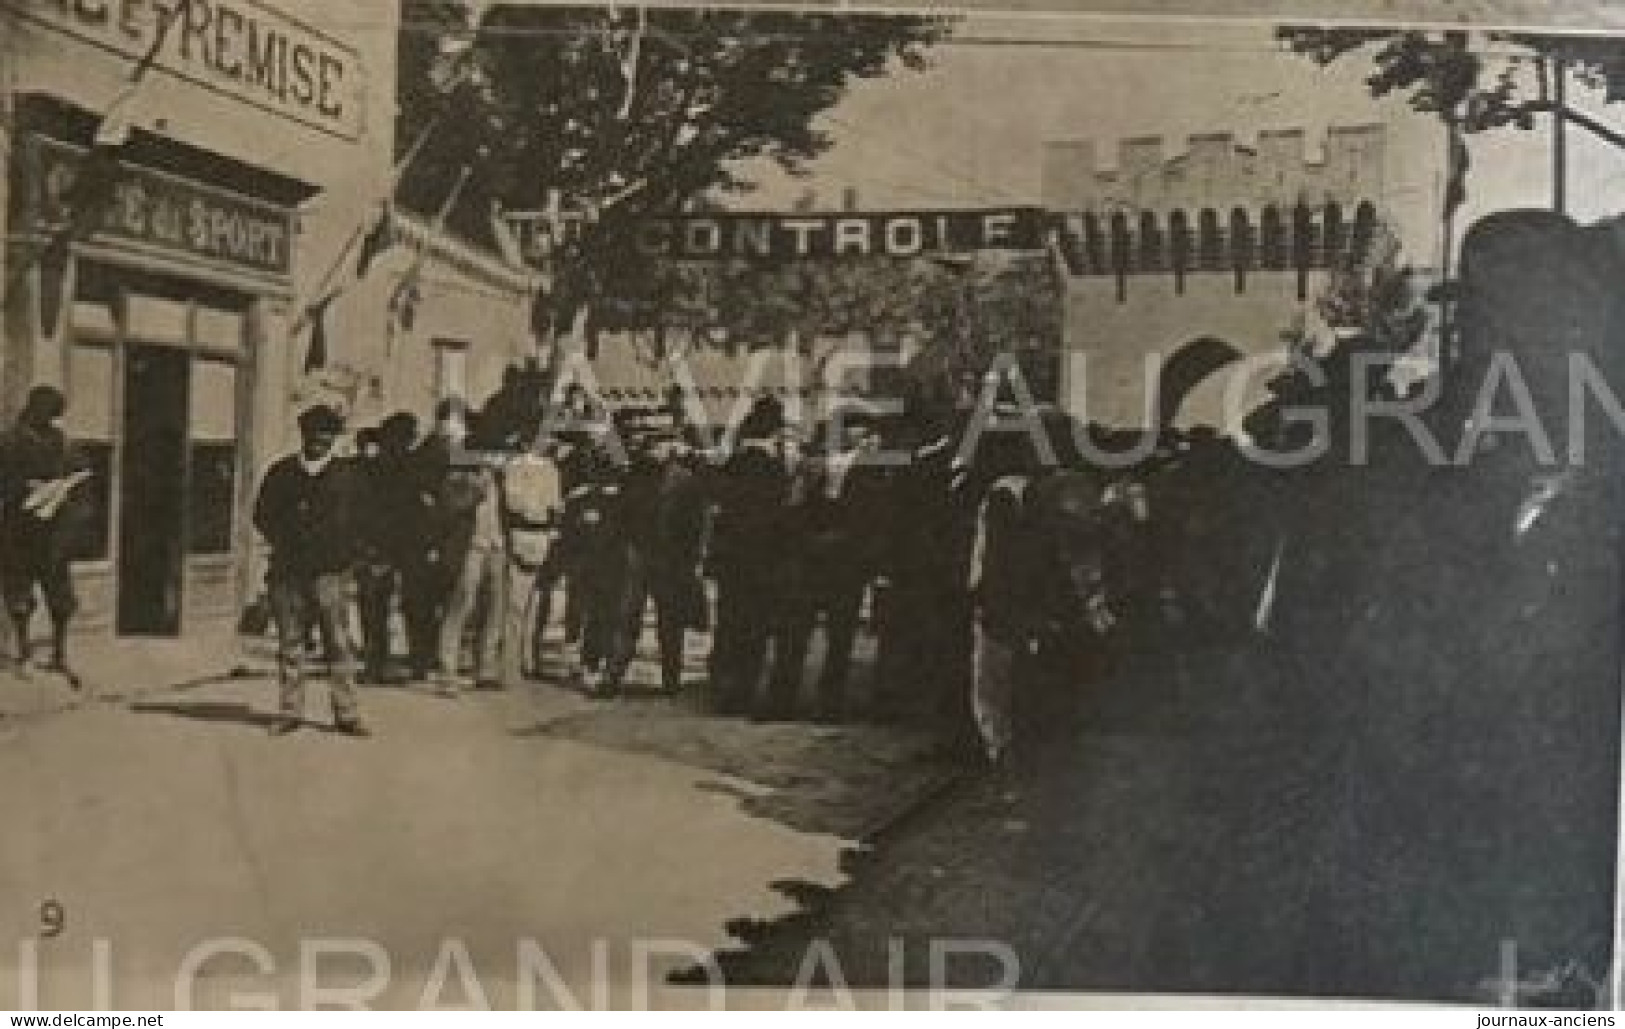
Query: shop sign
[[243, 48], [140, 205]]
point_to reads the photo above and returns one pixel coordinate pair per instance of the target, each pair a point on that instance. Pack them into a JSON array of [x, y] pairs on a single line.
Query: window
[[1209, 241], [1364, 233], [450, 369], [1304, 241], [1273, 250], [1334, 235], [1242, 246], [1151, 249], [1094, 244], [89, 425], [1304, 252], [154, 319], [1179, 232], [1122, 254], [212, 482], [1122, 244]]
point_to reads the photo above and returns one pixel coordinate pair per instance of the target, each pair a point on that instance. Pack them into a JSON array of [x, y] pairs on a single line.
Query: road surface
[[468, 849]]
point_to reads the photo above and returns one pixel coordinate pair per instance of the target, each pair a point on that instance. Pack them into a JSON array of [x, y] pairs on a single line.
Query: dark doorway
[[152, 497]]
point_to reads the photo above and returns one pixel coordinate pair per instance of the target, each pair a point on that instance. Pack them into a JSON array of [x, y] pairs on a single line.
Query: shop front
[[153, 327], [154, 281]]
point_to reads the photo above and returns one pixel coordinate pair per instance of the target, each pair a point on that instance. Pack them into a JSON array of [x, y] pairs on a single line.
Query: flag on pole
[[378, 239], [119, 121], [408, 293], [120, 118], [316, 352], [403, 302], [1455, 190]]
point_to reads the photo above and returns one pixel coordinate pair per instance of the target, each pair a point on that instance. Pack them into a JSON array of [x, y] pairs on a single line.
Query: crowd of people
[[780, 539], [472, 533], [528, 539]]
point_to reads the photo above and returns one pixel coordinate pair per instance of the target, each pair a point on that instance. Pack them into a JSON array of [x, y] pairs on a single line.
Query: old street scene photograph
[[520, 505]]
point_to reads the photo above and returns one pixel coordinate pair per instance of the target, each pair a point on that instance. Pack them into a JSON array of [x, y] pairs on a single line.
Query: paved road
[[462, 829], [1189, 833]]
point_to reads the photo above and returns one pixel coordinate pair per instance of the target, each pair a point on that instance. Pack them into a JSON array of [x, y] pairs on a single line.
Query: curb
[[901, 815]]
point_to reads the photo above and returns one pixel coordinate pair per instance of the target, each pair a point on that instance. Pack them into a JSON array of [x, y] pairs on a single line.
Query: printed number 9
[[53, 918]]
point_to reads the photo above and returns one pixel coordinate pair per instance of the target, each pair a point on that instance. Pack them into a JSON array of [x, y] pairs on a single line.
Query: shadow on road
[[224, 712], [217, 711]]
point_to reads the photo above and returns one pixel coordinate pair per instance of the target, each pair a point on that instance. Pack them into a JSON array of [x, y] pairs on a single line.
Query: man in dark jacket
[[38, 474], [595, 535], [665, 524], [392, 532], [752, 488], [830, 547], [443, 526], [306, 512]]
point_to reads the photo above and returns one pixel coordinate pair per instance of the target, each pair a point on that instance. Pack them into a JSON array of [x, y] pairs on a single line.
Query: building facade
[[236, 159], [719, 383], [1224, 240]]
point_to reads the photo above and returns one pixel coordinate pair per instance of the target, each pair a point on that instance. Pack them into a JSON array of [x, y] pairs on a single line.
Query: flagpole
[[409, 278], [115, 133], [320, 293], [1560, 74], [1454, 195], [396, 173], [435, 227]]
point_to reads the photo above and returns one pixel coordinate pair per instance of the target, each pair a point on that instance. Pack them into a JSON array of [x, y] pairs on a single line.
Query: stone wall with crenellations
[[1218, 170], [1223, 238]]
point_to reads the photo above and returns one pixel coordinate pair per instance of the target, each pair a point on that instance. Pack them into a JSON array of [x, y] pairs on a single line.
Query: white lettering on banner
[[704, 238], [803, 228], [996, 229], [754, 236], [731, 235], [851, 236], [244, 48], [903, 237]]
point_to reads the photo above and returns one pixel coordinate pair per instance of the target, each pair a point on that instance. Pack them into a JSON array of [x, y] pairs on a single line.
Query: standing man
[[830, 546], [595, 526], [665, 526], [477, 541], [442, 525], [306, 512], [38, 474], [393, 537], [752, 488], [532, 513], [569, 453]]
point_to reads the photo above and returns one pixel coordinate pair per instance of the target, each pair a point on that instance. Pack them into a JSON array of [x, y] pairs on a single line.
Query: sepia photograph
[[513, 504]]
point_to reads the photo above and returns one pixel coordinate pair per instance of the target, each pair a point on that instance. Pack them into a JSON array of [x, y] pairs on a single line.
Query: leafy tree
[[961, 314], [1446, 75], [622, 113]]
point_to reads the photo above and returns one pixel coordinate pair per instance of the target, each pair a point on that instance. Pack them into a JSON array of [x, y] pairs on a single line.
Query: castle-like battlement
[[1217, 171], [1297, 238]]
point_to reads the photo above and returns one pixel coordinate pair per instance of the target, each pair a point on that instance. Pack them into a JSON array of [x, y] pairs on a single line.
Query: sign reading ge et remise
[[243, 48]]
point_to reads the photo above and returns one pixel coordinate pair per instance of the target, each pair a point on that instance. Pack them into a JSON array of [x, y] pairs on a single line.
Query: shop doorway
[[152, 492]]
